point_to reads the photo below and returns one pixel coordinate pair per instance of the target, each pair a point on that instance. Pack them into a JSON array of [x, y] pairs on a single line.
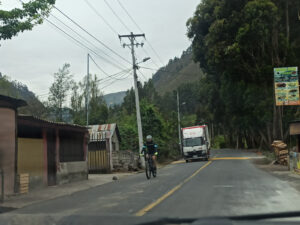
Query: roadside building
[[104, 140], [294, 153], [50, 153], [8, 141]]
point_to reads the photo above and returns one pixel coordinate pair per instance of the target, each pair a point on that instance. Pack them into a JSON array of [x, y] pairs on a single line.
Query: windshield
[[83, 83], [191, 142]]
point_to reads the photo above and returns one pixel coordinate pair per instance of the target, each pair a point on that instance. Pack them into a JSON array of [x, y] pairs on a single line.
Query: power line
[[100, 16], [151, 58], [116, 15], [110, 76], [164, 71], [143, 75], [74, 39], [128, 74], [83, 38], [107, 47], [131, 18]]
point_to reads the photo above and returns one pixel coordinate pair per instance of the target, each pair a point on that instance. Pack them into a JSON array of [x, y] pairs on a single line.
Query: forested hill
[[176, 72], [18, 90], [114, 98]]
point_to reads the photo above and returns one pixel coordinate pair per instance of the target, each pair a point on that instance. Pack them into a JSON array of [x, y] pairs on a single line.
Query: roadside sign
[[286, 86]]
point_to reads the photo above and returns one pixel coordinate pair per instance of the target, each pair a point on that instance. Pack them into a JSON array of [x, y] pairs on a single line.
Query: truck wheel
[[186, 161]]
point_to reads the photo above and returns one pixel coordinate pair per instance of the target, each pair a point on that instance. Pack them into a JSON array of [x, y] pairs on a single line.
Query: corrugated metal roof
[[47, 122], [14, 101], [102, 131]]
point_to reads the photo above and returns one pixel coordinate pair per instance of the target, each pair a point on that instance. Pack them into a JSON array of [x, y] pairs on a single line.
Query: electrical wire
[[83, 29], [139, 28], [143, 75], [100, 16], [83, 38], [164, 71], [131, 18], [110, 76], [115, 81], [116, 15]]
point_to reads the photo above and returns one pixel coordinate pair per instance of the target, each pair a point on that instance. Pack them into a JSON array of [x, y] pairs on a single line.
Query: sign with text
[[286, 86]]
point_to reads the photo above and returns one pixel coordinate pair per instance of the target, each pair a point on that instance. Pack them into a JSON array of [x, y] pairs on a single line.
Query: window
[[190, 142], [71, 146]]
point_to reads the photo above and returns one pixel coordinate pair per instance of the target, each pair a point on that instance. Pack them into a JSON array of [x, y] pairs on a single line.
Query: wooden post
[[2, 185], [57, 148], [45, 150]]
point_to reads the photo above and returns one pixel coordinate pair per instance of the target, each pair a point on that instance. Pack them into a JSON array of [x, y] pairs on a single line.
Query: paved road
[[231, 185]]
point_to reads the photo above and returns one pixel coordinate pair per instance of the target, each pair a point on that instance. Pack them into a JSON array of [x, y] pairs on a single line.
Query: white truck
[[196, 143]]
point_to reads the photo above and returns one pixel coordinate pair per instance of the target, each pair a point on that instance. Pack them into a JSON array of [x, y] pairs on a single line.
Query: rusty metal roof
[[103, 131]]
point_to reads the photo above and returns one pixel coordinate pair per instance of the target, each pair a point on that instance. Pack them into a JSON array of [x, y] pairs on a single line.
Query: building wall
[[71, 171], [115, 141], [31, 160], [7, 148]]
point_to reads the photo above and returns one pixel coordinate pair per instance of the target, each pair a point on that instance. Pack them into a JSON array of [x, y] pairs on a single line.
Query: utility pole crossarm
[[131, 35]]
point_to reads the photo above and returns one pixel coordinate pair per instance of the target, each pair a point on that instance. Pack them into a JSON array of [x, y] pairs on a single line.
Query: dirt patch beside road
[[278, 171]]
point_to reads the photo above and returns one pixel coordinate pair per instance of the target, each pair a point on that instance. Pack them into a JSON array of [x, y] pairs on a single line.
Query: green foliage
[[17, 90], [219, 142], [18, 20], [176, 72], [59, 91], [238, 43]]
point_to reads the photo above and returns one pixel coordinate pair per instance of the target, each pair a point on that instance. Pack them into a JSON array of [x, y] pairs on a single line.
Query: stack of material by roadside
[[23, 183], [281, 152]]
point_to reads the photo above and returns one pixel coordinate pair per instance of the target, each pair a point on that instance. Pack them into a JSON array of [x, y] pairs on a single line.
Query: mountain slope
[[18, 90], [114, 98], [178, 71]]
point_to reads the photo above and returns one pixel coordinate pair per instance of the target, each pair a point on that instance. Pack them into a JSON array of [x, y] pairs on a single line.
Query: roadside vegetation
[[235, 46]]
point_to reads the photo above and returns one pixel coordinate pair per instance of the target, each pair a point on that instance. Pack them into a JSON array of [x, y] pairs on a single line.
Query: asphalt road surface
[[228, 185]]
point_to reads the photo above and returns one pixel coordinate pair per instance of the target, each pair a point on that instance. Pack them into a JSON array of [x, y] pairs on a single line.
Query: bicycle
[[149, 168]]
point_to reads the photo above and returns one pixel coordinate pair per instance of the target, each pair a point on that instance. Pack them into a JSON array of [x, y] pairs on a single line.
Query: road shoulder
[[279, 171], [52, 192]]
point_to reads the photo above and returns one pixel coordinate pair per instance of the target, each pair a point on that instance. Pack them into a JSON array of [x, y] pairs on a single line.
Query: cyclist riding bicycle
[[150, 148]]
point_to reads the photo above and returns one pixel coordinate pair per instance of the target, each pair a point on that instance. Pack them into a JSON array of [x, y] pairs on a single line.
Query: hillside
[[114, 98], [178, 71], [18, 90]]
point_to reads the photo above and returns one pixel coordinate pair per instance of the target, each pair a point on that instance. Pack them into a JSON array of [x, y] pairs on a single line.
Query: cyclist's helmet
[[149, 138]]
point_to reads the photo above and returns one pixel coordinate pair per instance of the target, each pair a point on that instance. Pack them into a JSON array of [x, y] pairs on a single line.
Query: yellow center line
[[162, 198], [231, 158]]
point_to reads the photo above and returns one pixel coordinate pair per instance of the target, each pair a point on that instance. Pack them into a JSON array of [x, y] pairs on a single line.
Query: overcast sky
[[34, 56]]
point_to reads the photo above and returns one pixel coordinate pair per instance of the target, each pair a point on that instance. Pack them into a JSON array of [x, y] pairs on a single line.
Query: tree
[[238, 43], [59, 91], [18, 20]]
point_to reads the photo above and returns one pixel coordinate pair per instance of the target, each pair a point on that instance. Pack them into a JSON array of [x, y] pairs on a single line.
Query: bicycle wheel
[[147, 170], [154, 172]]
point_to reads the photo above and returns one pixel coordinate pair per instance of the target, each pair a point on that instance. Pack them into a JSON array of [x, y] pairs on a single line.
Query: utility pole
[[87, 89], [179, 128], [132, 44]]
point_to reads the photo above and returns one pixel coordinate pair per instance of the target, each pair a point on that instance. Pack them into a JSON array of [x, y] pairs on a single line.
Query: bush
[[219, 142]]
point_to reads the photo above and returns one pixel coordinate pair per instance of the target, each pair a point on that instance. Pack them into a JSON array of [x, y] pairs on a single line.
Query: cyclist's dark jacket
[[150, 148]]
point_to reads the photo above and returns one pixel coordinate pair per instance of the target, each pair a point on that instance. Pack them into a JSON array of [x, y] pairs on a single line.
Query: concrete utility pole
[[132, 44], [87, 89], [179, 128]]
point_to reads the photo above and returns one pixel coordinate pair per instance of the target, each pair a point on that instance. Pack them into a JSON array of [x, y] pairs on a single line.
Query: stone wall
[[125, 161], [72, 171]]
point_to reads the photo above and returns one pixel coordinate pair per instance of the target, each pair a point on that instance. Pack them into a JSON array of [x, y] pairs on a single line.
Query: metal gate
[[98, 157]]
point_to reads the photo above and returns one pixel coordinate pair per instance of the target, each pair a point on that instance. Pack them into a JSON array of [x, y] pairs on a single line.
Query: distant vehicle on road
[[196, 143]]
